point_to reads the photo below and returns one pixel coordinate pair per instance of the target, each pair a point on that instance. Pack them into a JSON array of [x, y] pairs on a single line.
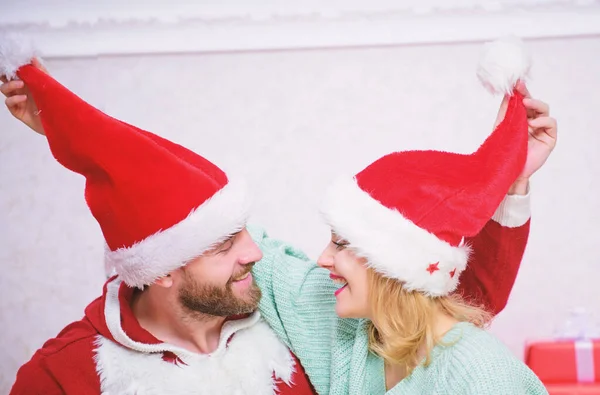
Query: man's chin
[[250, 297]]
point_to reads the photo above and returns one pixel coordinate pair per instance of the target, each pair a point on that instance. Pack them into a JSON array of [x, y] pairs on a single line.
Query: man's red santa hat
[[159, 205], [408, 212]]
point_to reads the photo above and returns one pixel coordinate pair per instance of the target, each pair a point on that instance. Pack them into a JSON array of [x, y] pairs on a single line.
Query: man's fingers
[[15, 100], [10, 88], [37, 64]]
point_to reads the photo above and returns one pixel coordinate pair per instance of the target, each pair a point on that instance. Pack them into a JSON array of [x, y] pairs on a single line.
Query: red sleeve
[[496, 256], [64, 365], [34, 379]]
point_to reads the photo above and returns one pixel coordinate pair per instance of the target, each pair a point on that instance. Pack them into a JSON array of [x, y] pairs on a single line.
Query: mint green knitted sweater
[[298, 302]]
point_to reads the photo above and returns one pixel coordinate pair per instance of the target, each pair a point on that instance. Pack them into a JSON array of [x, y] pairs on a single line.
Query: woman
[[397, 250]]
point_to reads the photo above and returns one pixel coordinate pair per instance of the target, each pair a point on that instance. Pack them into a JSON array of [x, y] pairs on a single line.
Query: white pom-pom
[[15, 51], [502, 64]]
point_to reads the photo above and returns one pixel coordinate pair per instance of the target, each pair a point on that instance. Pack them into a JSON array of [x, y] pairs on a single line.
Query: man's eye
[[226, 246]]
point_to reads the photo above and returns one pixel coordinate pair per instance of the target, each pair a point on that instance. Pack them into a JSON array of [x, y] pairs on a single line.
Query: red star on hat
[[433, 267]]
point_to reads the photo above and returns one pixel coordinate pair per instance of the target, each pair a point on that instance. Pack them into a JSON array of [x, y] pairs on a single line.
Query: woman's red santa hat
[[159, 205], [408, 212]]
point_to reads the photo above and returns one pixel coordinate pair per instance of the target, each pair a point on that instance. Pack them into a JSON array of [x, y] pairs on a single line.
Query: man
[[180, 316]]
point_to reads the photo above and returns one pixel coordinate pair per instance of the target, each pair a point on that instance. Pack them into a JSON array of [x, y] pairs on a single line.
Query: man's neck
[[167, 321]]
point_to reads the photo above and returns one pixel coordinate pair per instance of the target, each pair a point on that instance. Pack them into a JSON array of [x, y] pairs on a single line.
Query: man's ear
[[165, 282]]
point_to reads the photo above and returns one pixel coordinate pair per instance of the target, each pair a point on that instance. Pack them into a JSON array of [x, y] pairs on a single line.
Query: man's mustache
[[247, 268]]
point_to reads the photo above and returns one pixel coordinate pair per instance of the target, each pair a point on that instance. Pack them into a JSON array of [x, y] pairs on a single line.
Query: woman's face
[[351, 273]]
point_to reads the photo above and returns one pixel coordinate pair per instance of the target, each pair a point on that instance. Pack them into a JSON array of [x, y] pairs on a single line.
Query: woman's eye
[[339, 245]]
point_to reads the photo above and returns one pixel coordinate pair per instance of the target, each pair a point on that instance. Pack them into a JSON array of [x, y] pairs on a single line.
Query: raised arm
[[298, 302], [19, 100], [496, 256], [498, 249]]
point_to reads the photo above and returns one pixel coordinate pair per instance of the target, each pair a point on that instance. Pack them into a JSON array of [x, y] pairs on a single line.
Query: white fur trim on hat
[[222, 215], [392, 244], [503, 63]]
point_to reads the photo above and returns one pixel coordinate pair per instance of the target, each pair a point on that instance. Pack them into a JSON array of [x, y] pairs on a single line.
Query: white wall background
[[290, 121]]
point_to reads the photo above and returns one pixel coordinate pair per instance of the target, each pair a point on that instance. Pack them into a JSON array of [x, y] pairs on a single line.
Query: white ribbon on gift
[[578, 330], [584, 360]]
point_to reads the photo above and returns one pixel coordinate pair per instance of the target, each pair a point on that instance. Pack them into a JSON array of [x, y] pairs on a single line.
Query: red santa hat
[[408, 212], [159, 205]]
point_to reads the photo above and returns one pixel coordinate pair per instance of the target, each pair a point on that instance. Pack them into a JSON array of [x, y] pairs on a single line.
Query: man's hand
[[542, 137], [19, 101]]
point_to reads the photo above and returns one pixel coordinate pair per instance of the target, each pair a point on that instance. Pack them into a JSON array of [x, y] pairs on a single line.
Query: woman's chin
[[340, 311], [344, 311]]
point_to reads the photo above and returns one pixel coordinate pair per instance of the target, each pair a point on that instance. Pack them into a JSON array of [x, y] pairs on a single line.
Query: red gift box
[[573, 389], [565, 362]]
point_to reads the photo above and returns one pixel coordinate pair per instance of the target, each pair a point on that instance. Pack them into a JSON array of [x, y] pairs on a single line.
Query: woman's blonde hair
[[405, 320]]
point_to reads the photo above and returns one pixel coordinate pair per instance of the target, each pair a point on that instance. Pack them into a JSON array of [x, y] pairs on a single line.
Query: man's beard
[[213, 300]]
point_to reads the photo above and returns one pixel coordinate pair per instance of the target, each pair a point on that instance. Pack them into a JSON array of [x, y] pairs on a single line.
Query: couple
[[187, 312]]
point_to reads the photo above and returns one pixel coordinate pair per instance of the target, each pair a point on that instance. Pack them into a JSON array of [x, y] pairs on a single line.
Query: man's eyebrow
[[230, 238]]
